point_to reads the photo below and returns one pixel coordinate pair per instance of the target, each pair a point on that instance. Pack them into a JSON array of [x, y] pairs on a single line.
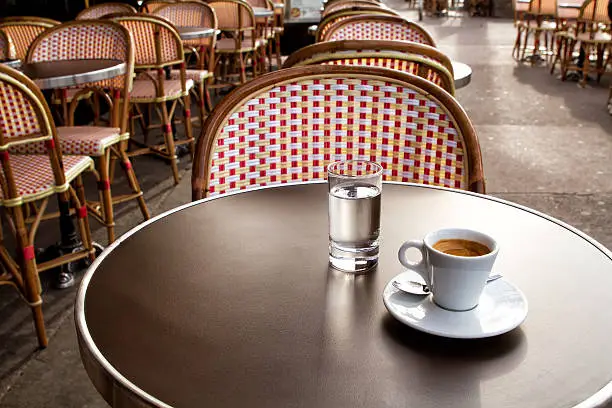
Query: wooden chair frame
[[7, 51], [217, 121], [117, 101], [22, 272]]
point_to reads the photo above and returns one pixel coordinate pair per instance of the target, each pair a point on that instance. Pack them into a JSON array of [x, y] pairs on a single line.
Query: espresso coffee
[[461, 247]]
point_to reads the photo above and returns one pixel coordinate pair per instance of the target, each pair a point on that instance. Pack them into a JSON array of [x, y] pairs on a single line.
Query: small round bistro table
[[260, 12], [463, 74], [64, 74], [230, 302], [15, 63], [192, 33]]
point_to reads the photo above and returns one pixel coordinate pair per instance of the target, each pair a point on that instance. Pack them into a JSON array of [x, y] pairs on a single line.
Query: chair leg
[[242, 68], [557, 56], [516, 51], [525, 42], [187, 119], [169, 138], [278, 51], [29, 272], [126, 164], [587, 64], [207, 99], [104, 189], [83, 221]]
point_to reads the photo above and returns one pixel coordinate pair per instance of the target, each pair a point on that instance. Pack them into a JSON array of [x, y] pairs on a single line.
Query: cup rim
[[493, 251], [378, 172]]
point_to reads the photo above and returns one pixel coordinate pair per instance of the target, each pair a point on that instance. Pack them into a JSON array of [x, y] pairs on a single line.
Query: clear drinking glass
[[354, 214]]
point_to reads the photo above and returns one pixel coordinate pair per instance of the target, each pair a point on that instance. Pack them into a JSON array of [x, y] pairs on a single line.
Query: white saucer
[[502, 307]]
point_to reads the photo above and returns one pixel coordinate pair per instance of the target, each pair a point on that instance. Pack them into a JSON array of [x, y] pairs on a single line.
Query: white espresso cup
[[456, 282]]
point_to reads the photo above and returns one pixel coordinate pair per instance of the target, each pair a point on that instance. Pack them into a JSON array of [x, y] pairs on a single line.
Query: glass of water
[[354, 214]]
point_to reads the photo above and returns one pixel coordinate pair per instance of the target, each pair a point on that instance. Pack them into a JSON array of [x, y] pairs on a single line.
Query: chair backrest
[[417, 59], [378, 28], [91, 39], [104, 9], [350, 5], [24, 119], [330, 19], [594, 11], [233, 15], [157, 44], [330, 3], [23, 31], [152, 5], [7, 48], [288, 125], [543, 7]]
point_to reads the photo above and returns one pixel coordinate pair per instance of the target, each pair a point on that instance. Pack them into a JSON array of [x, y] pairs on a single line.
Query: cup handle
[[418, 267]]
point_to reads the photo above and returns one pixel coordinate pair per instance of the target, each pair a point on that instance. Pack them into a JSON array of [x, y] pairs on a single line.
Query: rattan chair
[[593, 35], [23, 30], [7, 48], [539, 20], [152, 5], [104, 9], [350, 5], [26, 180], [236, 20], [89, 39], [379, 27], [195, 14], [287, 126], [417, 59], [159, 46], [341, 15], [265, 32]]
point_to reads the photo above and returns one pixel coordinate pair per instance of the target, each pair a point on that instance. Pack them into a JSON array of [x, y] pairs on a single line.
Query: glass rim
[[377, 166]]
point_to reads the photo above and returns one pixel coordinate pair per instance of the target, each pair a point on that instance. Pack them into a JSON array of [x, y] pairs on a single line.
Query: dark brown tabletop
[[230, 303], [63, 74]]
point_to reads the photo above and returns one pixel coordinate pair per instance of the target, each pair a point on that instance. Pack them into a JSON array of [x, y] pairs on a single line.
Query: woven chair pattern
[[153, 5], [377, 30], [101, 10], [22, 35], [7, 48], [92, 40], [18, 119], [144, 32], [233, 15], [595, 11], [190, 14], [412, 67], [348, 5], [291, 132]]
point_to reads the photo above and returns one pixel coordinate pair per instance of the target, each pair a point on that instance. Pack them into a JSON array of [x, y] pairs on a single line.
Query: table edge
[[64, 81], [113, 386], [465, 81]]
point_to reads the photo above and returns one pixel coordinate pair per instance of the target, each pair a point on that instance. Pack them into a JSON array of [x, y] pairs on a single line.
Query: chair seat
[[34, 177], [88, 140], [599, 37], [144, 91], [196, 75], [228, 45]]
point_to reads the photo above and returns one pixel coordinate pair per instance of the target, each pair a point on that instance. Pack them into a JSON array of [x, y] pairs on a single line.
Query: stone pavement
[[545, 144]]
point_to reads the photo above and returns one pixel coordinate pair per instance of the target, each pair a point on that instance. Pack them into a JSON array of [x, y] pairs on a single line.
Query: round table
[[15, 63], [191, 33], [230, 302], [259, 12], [64, 74], [463, 74]]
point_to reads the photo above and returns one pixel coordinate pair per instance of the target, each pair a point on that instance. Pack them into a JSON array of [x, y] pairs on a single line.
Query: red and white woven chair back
[[329, 20], [101, 10], [285, 129], [85, 39], [7, 48], [156, 42], [24, 30], [378, 29], [152, 5], [190, 14]]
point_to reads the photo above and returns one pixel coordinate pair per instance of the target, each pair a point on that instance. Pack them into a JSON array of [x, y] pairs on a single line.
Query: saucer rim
[[451, 335]]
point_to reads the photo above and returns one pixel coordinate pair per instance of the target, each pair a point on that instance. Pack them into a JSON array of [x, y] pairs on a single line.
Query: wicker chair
[[591, 33], [23, 31], [104, 9], [287, 126], [372, 27], [7, 48], [26, 180], [88, 39], [341, 15], [417, 59], [152, 5], [159, 46], [539, 20], [195, 14], [236, 19], [350, 5], [265, 29]]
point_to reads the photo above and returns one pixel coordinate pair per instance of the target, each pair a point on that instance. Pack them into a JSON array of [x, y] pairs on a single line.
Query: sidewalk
[[545, 144]]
